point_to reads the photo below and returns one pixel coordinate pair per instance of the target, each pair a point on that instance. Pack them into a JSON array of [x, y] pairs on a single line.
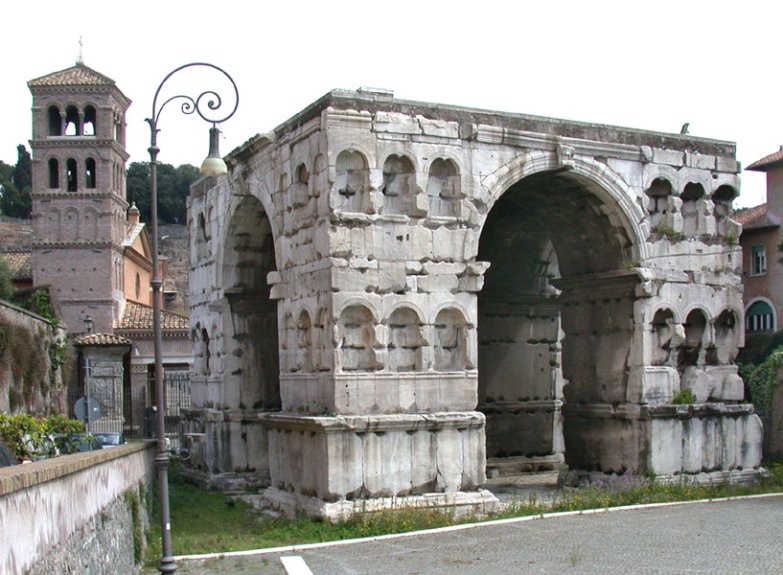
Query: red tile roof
[[79, 75], [139, 317], [767, 162], [102, 339], [21, 264], [756, 218]]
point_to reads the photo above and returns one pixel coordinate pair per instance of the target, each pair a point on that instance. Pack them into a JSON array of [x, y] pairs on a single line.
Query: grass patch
[[202, 521]]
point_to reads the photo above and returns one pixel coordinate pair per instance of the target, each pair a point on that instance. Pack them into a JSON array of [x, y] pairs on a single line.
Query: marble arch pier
[[390, 298]]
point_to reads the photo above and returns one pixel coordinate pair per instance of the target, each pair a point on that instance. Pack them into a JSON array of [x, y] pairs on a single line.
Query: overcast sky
[[652, 65]]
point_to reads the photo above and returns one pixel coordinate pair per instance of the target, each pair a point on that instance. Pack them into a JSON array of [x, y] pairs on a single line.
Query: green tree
[[6, 287], [173, 189], [16, 185], [23, 171]]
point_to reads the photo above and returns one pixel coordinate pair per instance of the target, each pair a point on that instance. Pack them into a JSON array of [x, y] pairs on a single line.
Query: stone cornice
[[97, 193], [78, 142], [538, 141], [73, 244], [373, 423], [347, 103]]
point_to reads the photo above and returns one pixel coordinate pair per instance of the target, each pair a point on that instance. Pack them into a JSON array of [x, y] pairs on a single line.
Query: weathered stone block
[[666, 449], [668, 157]]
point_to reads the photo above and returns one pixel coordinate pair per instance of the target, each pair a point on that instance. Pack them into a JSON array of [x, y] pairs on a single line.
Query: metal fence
[[116, 405], [177, 385], [100, 386]]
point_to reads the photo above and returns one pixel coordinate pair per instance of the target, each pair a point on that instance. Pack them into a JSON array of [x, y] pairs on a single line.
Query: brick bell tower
[[78, 194]]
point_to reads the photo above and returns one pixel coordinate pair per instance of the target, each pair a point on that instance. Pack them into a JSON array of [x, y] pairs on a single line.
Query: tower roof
[[79, 75]]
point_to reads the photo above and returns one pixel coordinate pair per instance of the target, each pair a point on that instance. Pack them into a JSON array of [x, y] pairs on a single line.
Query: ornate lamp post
[[208, 106]]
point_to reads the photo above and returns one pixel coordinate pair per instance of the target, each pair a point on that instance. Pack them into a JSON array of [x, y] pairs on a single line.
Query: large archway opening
[[555, 325], [252, 372]]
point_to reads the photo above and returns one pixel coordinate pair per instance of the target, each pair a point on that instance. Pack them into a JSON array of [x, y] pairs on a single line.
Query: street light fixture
[[206, 105]]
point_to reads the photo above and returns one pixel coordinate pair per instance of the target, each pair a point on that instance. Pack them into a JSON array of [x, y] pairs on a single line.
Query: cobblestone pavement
[[727, 537]]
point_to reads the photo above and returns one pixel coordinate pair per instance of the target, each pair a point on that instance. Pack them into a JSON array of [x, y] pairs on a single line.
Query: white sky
[[652, 65]]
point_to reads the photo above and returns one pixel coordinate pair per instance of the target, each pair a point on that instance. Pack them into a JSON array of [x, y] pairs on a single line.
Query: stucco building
[[762, 268]]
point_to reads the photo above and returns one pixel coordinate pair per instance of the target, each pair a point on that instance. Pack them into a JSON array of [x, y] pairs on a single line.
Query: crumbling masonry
[[387, 297]]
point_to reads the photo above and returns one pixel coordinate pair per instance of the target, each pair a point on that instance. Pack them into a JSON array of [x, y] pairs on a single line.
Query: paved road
[[730, 537]]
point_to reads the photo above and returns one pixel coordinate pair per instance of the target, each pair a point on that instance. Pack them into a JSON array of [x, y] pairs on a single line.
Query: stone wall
[[29, 383], [83, 513]]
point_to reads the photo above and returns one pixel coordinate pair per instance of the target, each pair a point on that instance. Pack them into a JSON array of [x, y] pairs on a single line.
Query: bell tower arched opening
[[556, 324]]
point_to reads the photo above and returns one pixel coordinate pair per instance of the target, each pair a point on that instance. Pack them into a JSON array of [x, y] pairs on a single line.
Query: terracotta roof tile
[[139, 317], [20, 262], [102, 339], [79, 75], [756, 218], [767, 162]]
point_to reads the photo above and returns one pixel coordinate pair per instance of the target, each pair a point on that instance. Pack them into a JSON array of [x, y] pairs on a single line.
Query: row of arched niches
[[307, 342], [699, 340], [673, 212], [399, 187], [692, 210], [352, 185], [406, 342], [405, 335]]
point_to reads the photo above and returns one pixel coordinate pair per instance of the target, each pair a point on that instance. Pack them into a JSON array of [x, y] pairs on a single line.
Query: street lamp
[[206, 105]]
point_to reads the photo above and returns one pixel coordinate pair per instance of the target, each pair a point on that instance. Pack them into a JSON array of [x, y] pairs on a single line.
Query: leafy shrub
[[669, 232], [761, 380], [684, 397], [34, 438]]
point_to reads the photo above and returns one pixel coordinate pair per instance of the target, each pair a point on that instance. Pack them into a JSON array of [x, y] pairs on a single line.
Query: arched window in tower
[[72, 126], [54, 174], [55, 121], [70, 172], [89, 121], [89, 173]]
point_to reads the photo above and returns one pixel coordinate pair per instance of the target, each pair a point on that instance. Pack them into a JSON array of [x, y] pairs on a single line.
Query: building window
[[70, 167], [55, 122], [759, 317], [89, 173], [758, 262], [54, 173], [89, 121]]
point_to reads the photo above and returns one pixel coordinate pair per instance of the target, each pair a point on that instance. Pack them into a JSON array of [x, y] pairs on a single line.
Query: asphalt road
[[726, 537]]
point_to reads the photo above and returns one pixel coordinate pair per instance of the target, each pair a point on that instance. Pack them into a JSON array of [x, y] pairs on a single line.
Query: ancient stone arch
[[535, 315]]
